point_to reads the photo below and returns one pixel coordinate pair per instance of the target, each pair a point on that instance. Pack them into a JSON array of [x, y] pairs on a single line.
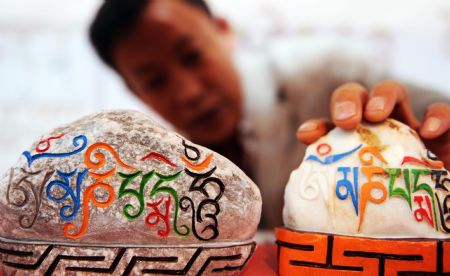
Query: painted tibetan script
[[422, 184], [179, 195]]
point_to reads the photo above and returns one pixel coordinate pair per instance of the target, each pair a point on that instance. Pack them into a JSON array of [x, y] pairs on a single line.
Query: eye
[[191, 58], [157, 81]]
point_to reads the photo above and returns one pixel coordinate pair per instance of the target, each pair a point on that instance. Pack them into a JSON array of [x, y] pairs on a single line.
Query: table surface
[[263, 262]]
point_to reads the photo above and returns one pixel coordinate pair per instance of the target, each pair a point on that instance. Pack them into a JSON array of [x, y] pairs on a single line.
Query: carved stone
[[373, 195], [115, 192]]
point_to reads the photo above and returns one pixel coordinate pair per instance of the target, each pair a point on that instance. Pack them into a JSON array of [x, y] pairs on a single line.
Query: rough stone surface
[[118, 179], [377, 181]]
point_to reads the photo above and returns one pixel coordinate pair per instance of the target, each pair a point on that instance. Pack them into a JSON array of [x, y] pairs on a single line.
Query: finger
[[346, 105], [436, 122], [312, 130], [390, 99]]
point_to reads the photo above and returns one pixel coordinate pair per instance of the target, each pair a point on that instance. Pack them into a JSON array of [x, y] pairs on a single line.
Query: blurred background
[[49, 74]]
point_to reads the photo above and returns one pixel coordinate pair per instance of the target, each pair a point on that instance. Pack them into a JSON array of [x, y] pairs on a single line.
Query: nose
[[189, 89]]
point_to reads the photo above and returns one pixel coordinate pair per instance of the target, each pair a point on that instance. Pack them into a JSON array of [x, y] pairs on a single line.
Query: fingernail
[[432, 124], [308, 126], [376, 104], [344, 110]]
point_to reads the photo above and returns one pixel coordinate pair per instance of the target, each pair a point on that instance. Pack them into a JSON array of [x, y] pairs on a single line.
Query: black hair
[[115, 18]]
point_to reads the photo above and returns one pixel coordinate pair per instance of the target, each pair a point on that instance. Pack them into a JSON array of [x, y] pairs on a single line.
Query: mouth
[[208, 118]]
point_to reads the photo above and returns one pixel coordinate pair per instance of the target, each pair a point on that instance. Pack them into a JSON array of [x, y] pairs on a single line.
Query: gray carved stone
[[116, 193]]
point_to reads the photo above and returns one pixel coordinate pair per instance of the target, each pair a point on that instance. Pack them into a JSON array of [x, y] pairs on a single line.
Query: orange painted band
[[307, 253]]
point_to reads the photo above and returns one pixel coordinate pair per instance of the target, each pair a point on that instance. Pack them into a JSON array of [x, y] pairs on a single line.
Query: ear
[[226, 32]]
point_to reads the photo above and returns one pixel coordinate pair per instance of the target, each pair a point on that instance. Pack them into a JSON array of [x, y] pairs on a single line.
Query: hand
[[351, 102]]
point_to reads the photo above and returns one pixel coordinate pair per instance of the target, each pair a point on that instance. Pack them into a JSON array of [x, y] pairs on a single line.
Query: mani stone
[[373, 201], [117, 193], [378, 181]]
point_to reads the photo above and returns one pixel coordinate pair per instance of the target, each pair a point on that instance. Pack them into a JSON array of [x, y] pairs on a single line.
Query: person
[[176, 57]]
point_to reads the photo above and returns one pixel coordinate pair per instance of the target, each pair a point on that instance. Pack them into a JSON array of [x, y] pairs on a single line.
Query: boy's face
[[175, 60]]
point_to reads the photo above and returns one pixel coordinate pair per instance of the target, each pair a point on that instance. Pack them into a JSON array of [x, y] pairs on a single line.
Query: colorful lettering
[[32, 158], [347, 185], [332, 158], [420, 213], [89, 196], [67, 212], [397, 191], [158, 156], [323, 149], [102, 160], [26, 191], [444, 212], [423, 186], [46, 143], [439, 183], [158, 188], [425, 205], [366, 190], [138, 194], [157, 216], [79, 199], [203, 165], [371, 151]]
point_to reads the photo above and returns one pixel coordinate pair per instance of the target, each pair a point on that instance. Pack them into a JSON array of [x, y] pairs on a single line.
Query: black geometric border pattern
[[29, 259], [440, 259]]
